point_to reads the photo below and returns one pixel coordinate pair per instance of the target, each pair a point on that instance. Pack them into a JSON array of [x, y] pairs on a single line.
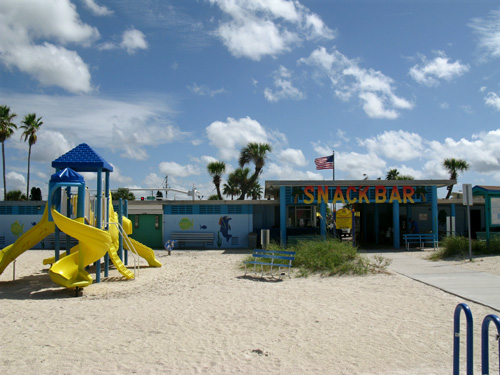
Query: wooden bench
[[272, 258], [421, 239], [206, 238]]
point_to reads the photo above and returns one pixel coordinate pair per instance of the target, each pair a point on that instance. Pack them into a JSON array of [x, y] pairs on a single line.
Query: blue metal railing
[[456, 339], [485, 361]]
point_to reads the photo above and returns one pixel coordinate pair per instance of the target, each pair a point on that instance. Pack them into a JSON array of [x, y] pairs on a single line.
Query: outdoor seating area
[[190, 238], [420, 239], [271, 258]]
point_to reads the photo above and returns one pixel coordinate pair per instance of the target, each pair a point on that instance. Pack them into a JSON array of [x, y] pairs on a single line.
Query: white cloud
[[430, 72], [488, 30], [33, 35], [177, 170], [288, 172], [292, 157], [204, 90], [262, 28], [96, 9], [355, 165], [284, 85], [230, 136], [375, 90], [492, 100], [133, 40], [397, 145], [15, 181], [127, 126]]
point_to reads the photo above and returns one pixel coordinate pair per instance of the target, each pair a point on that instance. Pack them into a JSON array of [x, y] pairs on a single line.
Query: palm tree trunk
[[3, 162], [450, 188], [28, 179]]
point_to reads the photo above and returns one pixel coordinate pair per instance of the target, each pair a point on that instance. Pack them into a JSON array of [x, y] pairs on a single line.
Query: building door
[[147, 229]]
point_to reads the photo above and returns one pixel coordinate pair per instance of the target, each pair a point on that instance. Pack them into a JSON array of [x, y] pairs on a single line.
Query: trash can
[[265, 237], [252, 240]]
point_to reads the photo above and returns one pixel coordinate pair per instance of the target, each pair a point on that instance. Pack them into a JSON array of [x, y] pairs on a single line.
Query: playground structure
[[99, 230]]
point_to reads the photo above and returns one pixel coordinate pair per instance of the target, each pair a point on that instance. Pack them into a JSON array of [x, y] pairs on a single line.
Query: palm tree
[[30, 125], [453, 166], [392, 174], [6, 130], [255, 191], [235, 181], [256, 153], [123, 193], [216, 169]]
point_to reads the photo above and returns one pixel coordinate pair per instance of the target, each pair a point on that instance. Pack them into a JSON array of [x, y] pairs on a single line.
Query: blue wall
[[230, 224]]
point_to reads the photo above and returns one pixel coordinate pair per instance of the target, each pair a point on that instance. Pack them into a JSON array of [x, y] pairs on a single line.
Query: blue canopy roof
[[82, 159], [67, 175]]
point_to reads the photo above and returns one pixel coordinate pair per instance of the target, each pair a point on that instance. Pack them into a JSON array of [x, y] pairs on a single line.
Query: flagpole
[[333, 160]]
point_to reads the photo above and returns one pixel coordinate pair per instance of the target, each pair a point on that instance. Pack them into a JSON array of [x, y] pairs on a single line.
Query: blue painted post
[[322, 225], [106, 194], [395, 224], [283, 215], [434, 210], [485, 360], [409, 214], [456, 339], [99, 220], [453, 220], [68, 214], [120, 238], [376, 224], [125, 255]]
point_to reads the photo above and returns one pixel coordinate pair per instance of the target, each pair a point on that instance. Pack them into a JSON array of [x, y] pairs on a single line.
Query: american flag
[[325, 162]]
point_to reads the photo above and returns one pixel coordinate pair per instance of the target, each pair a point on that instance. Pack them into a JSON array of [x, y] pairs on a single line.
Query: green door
[[147, 229]]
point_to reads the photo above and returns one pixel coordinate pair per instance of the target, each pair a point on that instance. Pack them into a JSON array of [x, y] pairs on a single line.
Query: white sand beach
[[198, 315]]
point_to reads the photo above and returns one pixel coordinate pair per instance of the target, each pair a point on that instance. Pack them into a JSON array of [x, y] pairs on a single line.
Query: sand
[[198, 315]]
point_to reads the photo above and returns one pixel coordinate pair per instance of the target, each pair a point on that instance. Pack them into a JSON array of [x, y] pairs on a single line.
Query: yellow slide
[[27, 240], [94, 243], [143, 251]]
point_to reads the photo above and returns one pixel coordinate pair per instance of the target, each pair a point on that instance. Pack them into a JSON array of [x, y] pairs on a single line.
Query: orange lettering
[[348, 194], [309, 192], [380, 194]]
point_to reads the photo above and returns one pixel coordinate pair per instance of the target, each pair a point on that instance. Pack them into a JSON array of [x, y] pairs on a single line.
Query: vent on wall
[[210, 209], [182, 210], [28, 210], [234, 241], [235, 209], [5, 210]]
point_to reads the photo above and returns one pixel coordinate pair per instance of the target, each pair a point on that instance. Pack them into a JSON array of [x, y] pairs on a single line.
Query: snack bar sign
[[364, 194]]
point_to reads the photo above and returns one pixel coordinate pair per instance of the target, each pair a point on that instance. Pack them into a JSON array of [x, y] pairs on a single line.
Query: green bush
[[331, 257], [458, 247]]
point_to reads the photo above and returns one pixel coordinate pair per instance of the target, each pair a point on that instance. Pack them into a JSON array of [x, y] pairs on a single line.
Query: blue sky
[[163, 87]]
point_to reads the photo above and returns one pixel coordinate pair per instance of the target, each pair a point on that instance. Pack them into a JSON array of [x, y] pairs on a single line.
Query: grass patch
[[458, 247], [331, 257]]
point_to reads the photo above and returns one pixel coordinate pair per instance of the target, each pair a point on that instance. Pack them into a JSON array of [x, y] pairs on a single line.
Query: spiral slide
[[93, 244], [27, 240]]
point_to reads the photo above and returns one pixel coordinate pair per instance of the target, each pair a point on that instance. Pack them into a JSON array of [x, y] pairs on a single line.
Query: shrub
[[458, 247], [331, 257]]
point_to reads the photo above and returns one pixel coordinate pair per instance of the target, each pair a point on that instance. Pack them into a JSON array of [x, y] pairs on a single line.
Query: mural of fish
[[203, 227], [186, 224], [225, 227]]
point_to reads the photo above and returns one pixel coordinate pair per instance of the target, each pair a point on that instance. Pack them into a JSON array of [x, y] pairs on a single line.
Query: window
[[300, 217]]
